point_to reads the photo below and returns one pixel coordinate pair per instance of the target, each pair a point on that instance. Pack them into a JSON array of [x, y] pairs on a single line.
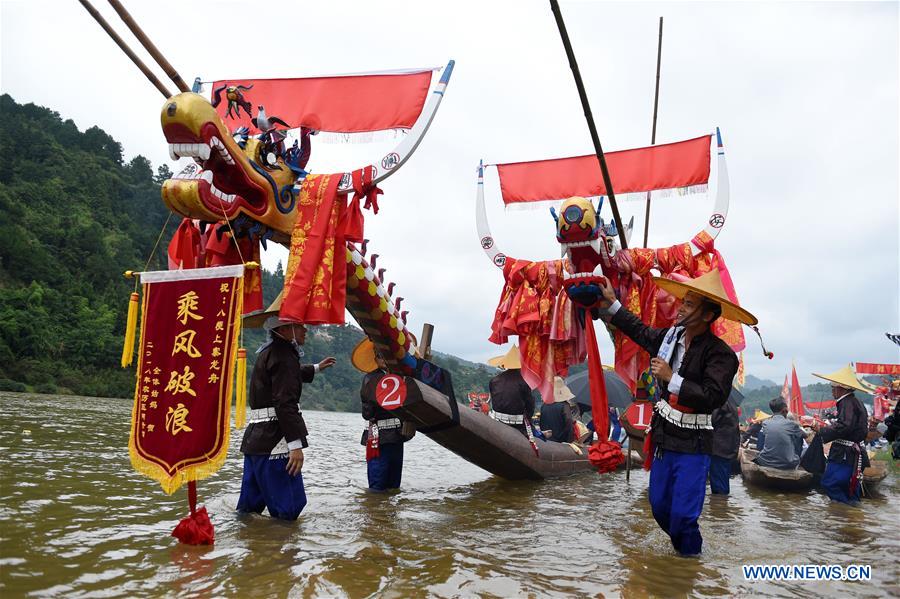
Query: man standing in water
[[695, 370], [847, 458], [384, 437], [276, 435]]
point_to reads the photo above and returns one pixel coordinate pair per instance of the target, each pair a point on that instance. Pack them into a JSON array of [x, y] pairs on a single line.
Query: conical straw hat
[[710, 287], [510, 361], [759, 416], [845, 377], [363, 356], [561, 391], [255, 320]]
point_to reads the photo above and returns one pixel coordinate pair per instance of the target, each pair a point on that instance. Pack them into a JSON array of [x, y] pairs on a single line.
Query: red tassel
[[605, 455], [648, 449], [196, 529]]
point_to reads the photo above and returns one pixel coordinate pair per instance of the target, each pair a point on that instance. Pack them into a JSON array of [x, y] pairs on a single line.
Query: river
[[78, 522]]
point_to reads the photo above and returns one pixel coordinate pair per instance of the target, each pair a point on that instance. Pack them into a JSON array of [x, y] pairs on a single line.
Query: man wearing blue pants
[[847, 458], [695, 370], [384, 436], [276, 433]]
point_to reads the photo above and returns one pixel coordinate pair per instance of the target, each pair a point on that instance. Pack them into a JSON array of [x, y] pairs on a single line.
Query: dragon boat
[[797, 479]]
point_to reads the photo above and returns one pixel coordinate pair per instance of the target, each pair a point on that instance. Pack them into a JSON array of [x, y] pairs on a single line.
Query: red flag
[[796, 395], [786, 391], [886, 369], [665, 166], [821, 405], [341, 104]]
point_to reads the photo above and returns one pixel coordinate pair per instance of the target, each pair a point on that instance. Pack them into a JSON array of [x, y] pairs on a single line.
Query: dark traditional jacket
[[852, 425], [372, 411], [727, 431], [277, 382], [557, 417], [708, 368], [510, 394]]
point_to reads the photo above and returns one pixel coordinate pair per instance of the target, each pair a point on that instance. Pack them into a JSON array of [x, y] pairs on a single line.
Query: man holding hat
[[384, 437], [847, 457], [276, 433], [694, 370]]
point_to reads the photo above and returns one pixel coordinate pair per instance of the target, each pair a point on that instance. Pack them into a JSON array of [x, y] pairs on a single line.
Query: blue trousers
[[677, 491], [385, 470], [267, 484], [836, 482], [719, 473]]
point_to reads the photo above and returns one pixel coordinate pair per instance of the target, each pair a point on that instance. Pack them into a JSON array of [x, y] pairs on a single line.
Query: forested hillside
[[74, 215]]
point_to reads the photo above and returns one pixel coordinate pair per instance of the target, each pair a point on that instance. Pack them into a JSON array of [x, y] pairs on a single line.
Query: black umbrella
[[617, 392]]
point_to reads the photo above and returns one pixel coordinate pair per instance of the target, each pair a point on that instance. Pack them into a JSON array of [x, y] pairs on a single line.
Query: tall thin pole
[[653, 134], [149, 46], [121, 43], [554, 6]]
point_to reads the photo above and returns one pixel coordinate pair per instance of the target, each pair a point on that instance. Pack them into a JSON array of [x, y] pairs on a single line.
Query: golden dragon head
[[231, 176]]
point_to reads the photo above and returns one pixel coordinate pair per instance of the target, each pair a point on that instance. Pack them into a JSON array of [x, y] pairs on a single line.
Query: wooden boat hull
[[477, 438], [873, 475], [773, 478]]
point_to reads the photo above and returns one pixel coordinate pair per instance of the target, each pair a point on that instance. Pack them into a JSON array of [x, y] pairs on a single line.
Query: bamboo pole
[[554, 6], [124, 47], [149, 46], [653, 134]]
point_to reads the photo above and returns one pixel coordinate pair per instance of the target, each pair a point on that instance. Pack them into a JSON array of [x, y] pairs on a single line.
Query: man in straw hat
[[510, 395], [384, 437], [558, 416], [847, 458], [276, 433], [694, 370]]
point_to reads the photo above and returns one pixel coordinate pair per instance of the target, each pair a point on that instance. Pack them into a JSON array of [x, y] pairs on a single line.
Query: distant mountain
[[753, 383]]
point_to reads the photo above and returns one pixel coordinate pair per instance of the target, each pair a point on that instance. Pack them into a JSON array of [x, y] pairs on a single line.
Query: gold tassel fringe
[[130, 326], [240, 400]]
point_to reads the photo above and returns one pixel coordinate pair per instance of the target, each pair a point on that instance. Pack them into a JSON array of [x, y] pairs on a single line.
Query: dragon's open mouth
[[223, 180]]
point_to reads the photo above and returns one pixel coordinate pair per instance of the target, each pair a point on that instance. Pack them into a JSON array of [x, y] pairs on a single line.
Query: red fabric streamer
[[315, 284], [185, 249], [222, 251], [886, 369], [664, 166], [195, 529], [648, 449], [821, 405], [796, 404], [364, 188], [604, 454], [342, 104]]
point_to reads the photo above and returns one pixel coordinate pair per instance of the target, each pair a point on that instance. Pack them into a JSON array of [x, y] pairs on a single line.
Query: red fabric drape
[[315, 284], [349, 104], [195, 529], [604, 454], [222, 251], [665, 166], [185, 248], [886, 369]]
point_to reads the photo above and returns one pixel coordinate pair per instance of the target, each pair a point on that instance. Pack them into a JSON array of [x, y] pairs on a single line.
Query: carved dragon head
[[232, 174]]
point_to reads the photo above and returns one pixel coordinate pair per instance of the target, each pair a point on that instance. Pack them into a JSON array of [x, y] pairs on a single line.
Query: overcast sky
[[806, 95]]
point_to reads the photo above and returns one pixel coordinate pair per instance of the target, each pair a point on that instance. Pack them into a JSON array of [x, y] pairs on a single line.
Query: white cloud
[[806, 95]]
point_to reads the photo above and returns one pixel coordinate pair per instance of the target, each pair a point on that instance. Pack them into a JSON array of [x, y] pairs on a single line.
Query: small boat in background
[[797, 479], [873, 475]]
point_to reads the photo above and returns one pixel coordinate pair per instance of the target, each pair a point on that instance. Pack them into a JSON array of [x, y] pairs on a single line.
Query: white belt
[[389, 423], [679, 418], [262, 415], [508, 418]]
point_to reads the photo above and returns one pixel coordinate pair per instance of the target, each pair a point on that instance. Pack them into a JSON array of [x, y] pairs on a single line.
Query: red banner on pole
[[885, 369], [189, 335], [344, 104], [678, 165]]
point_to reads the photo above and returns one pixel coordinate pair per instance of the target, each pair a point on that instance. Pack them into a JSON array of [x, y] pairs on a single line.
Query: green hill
[[74, 215]]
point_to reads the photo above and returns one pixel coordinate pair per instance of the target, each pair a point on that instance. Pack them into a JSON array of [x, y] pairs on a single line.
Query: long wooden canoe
[[477, 438], [773, 478]]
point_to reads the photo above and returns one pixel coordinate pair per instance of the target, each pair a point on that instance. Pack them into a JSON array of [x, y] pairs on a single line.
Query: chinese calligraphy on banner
[[885, 369], [180, 421]]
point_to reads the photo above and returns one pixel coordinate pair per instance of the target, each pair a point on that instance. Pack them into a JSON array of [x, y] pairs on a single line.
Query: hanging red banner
[[682, 164], [340, 104], [189, 334], [885, 369]]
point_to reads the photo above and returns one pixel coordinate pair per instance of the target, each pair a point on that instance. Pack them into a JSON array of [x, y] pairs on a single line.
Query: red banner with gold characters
[[180, 422], [885, 369]]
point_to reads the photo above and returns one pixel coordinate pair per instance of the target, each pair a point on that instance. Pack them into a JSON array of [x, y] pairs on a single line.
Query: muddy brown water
[[76, 521]]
